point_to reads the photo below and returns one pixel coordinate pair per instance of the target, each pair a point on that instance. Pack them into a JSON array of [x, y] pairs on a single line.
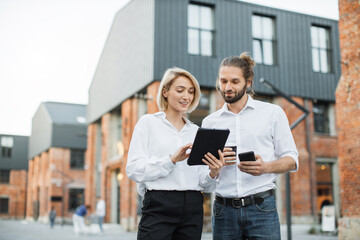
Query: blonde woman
[[173, 202]]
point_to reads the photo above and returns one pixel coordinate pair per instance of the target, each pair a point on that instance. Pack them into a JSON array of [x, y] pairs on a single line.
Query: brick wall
[[90, 161], [152, 90], [348, 119], [111, 165], [310, 147], [15, 191], [51, 175], [128, 190]]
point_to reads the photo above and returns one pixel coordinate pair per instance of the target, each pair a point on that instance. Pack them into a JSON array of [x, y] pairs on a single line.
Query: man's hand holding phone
[[252, 164]]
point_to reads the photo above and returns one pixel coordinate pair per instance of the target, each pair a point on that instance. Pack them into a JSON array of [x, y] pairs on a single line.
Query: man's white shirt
[[154, 140], [100, 208], [260, 127]]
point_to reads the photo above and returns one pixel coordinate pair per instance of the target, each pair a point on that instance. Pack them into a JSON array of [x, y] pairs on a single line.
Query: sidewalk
[[23, 230]]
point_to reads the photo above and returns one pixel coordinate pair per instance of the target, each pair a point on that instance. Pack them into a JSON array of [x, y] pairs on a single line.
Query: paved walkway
[[23, 230]]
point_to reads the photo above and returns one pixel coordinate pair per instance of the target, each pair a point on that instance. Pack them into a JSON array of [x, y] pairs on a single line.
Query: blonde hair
[[168, 79]]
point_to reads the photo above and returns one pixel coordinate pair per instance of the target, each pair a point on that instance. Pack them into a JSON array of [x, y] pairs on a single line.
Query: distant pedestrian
[[79, 219], [100, 212], [52, 216]]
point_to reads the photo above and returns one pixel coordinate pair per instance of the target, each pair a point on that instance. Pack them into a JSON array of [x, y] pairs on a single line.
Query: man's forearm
[[282, 165]]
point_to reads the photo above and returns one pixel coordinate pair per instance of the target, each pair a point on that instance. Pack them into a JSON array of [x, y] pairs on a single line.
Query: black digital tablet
[[207, 140]]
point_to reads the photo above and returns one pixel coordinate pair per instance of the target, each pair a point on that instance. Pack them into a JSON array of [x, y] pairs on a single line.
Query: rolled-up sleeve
[[283, 138]]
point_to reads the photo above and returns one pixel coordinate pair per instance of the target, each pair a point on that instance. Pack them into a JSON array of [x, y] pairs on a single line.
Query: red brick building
[[13, 175], [56, 176], [147, 37], [348, 119]]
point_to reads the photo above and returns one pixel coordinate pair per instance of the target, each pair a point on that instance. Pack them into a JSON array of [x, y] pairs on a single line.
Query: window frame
[[75, 164], [323, 118], [7, 144], [7, 178], [6, 152], [263, 39], [328, 48], [201, 30], [2, 204]]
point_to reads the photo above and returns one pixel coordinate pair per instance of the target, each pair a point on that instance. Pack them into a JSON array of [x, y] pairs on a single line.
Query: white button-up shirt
[[260, 127], [153, 141]]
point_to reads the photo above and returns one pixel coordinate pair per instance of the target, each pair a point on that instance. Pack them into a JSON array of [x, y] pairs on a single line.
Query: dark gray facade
[[16, 156], [147, 37], [58, 125]]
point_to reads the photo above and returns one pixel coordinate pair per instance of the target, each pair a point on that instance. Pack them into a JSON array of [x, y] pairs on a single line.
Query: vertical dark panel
[[293, 72]]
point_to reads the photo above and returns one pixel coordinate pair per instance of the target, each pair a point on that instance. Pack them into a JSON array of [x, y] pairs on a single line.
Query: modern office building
[[299, 54], [56, 176]]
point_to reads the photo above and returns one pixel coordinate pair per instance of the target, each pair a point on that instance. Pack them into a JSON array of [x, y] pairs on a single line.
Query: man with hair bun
[[244, 206]]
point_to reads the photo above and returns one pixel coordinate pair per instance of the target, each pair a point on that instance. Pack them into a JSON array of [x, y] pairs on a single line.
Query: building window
[[7, 144], [4, 176], [320, 49], [321, 117], [77, 159], [4, 205], [76, 198], [263, 40], [200, 30]]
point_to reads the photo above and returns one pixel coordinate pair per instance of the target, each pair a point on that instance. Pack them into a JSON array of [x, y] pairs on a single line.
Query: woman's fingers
[[213, 161]]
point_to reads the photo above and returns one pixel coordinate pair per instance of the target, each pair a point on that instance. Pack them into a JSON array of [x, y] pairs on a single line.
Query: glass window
[[6, 152], [206, 43], [77, 158], [200, 30], [4, 205], [320, 49], [321, 117], [4, 176], [264, 45], [7, 144], [76, 198]]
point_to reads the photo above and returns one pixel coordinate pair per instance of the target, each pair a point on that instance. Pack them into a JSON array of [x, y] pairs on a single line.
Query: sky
[[49, 50]]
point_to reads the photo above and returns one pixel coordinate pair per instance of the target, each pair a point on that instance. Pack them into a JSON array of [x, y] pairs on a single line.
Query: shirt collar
[[249, 104], [162, 115]]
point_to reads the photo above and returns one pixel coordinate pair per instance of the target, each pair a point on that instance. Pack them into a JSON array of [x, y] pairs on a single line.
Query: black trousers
[[171, 215]]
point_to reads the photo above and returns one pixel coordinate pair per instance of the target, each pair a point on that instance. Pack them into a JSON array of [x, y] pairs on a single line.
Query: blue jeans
[[52, 221], [101, 219], [250, 222]]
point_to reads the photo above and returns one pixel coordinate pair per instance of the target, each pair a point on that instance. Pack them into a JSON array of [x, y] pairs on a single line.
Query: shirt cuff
[[168, 164], [208, 178]]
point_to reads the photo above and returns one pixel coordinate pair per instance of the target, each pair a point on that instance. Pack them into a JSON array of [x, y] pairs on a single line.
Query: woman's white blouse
[[153, 141]]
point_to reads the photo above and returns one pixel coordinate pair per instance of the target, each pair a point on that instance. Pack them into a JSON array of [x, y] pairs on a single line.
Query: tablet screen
[[207, 140]]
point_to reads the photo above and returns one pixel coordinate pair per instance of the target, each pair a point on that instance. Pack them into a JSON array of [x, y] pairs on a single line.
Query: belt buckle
[[241, 200]]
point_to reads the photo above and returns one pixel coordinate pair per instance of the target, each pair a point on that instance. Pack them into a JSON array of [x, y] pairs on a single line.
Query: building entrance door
[[324, 186], [115, 197]]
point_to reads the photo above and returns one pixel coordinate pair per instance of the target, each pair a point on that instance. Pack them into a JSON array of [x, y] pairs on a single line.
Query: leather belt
[[257, 198]]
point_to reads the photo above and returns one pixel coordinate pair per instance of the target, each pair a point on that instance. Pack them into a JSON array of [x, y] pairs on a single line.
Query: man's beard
[[237, 97]]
